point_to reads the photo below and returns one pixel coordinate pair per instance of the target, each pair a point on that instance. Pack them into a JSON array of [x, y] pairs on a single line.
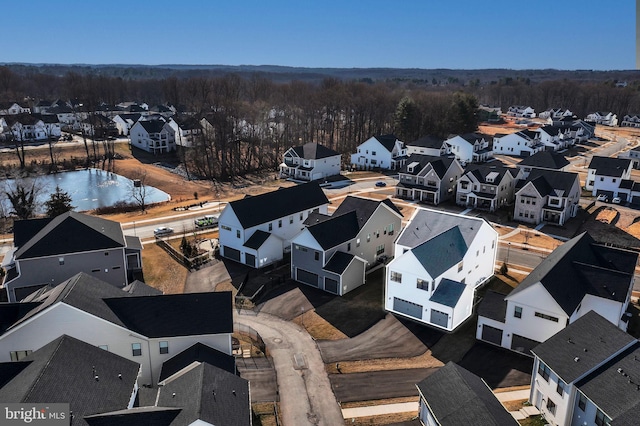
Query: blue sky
[[570, 34]]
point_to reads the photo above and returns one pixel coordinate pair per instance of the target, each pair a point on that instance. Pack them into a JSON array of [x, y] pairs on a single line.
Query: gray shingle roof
[[459, 397], [440, 164], [493, 306], [314, 151], [157, 416], [338, 262], [64, 370], [256, 240], [336, 230], [252, 211], [597, 335], [448, 292], [441, 252], [387, 141], [548, 181], [198, 352], [152, 126], [481, 172], [606, 166], [428, 141], [545, 160], [138, 288], [579, 267], [426, 224], [363, 207]]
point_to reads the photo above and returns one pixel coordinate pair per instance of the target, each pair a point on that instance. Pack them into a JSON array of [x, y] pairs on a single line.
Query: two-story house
[[155, 136], [521, 111], [429, 179], [487, 187], [257, 230], [427, 145], [578, 276], [440, 260], [556, 138], [99, 125], [587, 374], [605, 118], [383, 152], [26, 127], [468, 148], [187, 130], [606, 173], [13, 108], [310, 161], [543, 160], [631, 120], [49, 251], [555, 113], [124, 122], [547, 196], [523, 143], [333, 252]]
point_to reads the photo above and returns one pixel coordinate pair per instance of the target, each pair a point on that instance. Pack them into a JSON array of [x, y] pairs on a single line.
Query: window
[[601, 179], [280, 223], [379, 249], [300, 216], [238, 233], [61, 260], [422, 284], [460, 266], [19, 355], [358, 242], [551, 406], [290, 219], [582, 402], [136, 349], [395, 277], [270, 227], [317, 256], [544, 371], [560, 387], [106, 253], [373, 153], [517, 311], [164, 347], [368, 237], [225, 227], [104, 347], [602, 419], [547, 317]]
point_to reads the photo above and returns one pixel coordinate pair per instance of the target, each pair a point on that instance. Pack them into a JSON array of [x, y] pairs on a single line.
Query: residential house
[[523, 143], [588, 130], [334, 252], [469, 148], [188, 130], [384, 152], [67, 116], [164, 110], [13, 108], [631, 120], [555, 113], [51, 124], [587, 374], [429, 179], [547, 196], [155, 136], [427, 145], [440, 260], [557, 138], [98, 125], [310, 161], [543, 160], [26, 127], [629, 191], [258, 229], [454, 396], [605, 118], [148, 330], [49, 251], [124, 122], [487, 187], [579, 276], [521, 111], [606, 173], [489, 113]]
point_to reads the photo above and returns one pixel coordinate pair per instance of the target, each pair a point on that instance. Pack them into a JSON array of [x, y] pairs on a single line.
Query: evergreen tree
[[59, 202]]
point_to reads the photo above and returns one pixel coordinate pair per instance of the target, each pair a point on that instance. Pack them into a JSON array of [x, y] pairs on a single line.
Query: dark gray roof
[[363, 207], [579, 267], [65, 370], [493, 306], [198, 352], [547, 182], [597, 335], [428, 141], [338, 262], [133, 242], [314, 151], [459, 397], [607, 166], [314, 218], [545, 160], [24, 230], [439, 164], [138, 288], [337, 230], [448, 293], [426, 224], [441, 252], [73, 232], [10, 313], [473, 137], [156, 416], [252, 211], [256, 240], [481, 172], [209, 394], [175, 314], [152, 126], [387, 141]]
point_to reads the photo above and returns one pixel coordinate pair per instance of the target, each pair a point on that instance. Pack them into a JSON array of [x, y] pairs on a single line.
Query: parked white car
[[162, 231], [602, 197], [616, 200]]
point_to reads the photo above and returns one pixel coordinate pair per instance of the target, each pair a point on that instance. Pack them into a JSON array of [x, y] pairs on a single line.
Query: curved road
[[306, 397]]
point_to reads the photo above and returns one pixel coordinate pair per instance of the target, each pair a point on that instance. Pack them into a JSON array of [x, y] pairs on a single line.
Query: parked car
[[209, 220], [602, 197], [162, 231], [616, 200], [381, 183]]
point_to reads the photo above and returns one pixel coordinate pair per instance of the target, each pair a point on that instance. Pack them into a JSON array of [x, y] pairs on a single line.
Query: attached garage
[[492, 334], [439, 318], [250, 259], [522, 344], [307, 277], [231, 253], [407, 308], [331, 285]]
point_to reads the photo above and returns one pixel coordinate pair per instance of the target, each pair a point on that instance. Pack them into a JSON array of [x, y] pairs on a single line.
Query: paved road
[[306, 397]]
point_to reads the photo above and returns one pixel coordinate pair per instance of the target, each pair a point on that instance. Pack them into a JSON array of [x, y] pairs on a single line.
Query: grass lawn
[[161, 271]]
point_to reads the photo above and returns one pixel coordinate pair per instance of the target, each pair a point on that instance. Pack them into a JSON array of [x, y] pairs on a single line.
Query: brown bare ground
[[426, 360], [607, 215], [514, 405], [161, 271], [534, 239], [385, 419], [374, 402], [318, 327]]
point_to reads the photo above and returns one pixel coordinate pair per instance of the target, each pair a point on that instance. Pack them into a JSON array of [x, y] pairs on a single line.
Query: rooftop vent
[[576, 359]]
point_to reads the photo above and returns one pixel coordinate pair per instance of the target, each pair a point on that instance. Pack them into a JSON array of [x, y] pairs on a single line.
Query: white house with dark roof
[[523, 143], [543, 160], [440, 260], [427, 145], [148, 330], [521, 111], [487, 187], [605, 118], [587, 374], [257, 230], [429, 179], [187, 130], [124, 122], [468, 148], [555, 113], [384, 152], [558, 138], [13, 108], [454, 396], [579, 276], [49, 251], [155, 136], [547, 196], [334, 252], [606, 173], [631, 120], [310, 161]]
